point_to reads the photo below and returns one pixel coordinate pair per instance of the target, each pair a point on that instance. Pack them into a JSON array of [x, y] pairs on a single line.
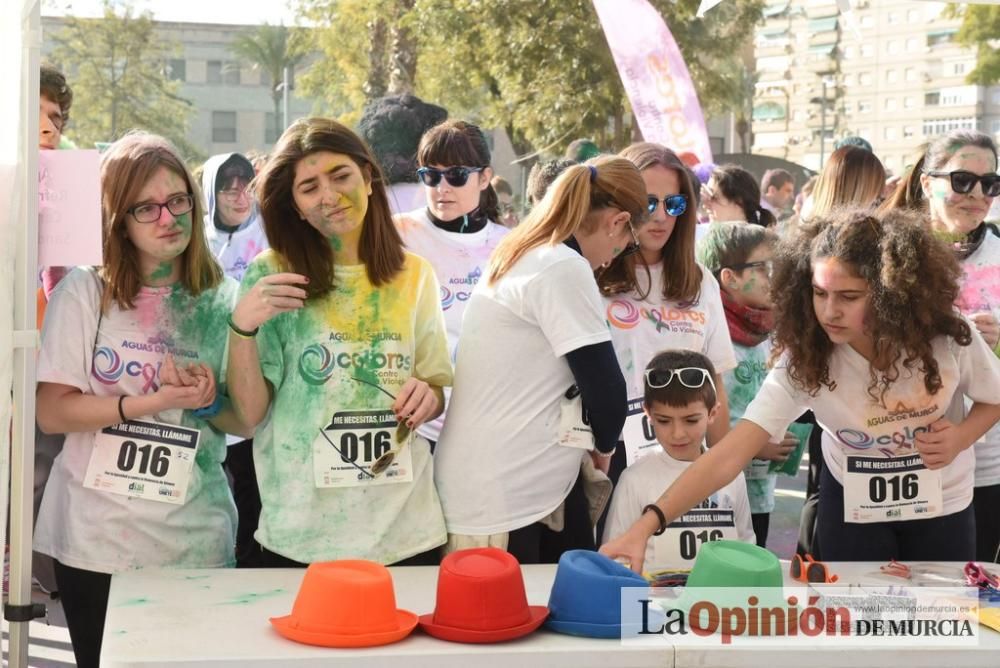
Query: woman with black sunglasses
[[534, 352], [955, 181], [456, 231], [660, 297]]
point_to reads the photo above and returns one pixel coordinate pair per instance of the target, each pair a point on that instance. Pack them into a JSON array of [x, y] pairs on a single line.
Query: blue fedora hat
[[586, 595]]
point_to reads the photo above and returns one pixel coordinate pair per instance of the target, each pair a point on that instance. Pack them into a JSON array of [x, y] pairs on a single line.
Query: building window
[[892, 17], [911, 74], [865, 78], [959, 69], [940, 37], [909, 131], [231, 74], [890, 133], [912, 16], [224, 127], [271, 131], [890, 104], [867, 50], [848, 80], [213, 73], [912, 44], [893, 46], [864, 107], [867, 21], [177, 69], [909, 102], [932, 99], [891, 76], [942, 126]]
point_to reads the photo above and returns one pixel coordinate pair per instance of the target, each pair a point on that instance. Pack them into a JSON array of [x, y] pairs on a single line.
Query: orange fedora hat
[[481, 599], [348, 603]]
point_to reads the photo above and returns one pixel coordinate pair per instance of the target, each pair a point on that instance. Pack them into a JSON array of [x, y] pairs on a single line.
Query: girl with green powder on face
[[338, 351], [955, 182], [130, 353]]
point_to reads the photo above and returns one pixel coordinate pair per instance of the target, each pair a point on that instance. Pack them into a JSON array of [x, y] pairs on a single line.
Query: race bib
[[678, 546], [877, 489], [574, 428], [347, 449], [757, 469], [143, 459], [638, 433]]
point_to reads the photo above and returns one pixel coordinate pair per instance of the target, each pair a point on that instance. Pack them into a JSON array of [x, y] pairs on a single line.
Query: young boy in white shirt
[[680, 403]]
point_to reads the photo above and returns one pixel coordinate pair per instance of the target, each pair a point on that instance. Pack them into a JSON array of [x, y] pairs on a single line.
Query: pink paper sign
[[69, 208], [655, 76]]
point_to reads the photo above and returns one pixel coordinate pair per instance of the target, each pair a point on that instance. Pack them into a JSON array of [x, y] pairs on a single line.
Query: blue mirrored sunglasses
[[673, 205]]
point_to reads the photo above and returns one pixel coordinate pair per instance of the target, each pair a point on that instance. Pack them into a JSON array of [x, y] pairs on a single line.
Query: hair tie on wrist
[[121, 408], [593, 173], [659, 515]]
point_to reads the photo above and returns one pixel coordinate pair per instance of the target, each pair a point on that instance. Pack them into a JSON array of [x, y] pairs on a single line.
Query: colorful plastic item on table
[[668, 578], [586, 595], [810, 571], [977, 576], [481, 599], [348, 603], [896, 569], [790, 466]]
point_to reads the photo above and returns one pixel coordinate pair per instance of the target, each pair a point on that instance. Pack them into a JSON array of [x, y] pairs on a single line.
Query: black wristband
[[121, 408], [659, 515], [242, 333]]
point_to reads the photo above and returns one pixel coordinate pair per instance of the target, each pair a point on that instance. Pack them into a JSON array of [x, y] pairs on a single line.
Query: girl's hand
[[779, 452], [268, 297], [630, 546], [988, 326], [940, 444], [415, 403], [190, 388]]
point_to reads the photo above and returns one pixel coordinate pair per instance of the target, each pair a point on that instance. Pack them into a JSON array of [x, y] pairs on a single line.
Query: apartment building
[[895, 77]]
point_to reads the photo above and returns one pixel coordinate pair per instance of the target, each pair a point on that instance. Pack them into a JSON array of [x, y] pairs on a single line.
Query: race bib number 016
[[146, 460], [877, 489], [678, 546], [638, 433], [348, 447]]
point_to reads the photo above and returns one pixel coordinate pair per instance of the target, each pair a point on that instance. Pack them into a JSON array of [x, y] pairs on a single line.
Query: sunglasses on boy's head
[[962, 182], [455, 176], [673, 205], [692, 377]]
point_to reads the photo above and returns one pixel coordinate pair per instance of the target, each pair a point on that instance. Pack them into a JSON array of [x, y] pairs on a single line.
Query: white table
[[220, 617], [801, 655]]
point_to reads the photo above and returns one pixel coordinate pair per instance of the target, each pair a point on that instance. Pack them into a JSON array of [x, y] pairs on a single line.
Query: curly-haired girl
[[868, 338]]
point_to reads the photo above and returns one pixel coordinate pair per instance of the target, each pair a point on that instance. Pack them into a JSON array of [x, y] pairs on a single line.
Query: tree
[[542, 70], [271, 49], [116, 65], [981, 29]]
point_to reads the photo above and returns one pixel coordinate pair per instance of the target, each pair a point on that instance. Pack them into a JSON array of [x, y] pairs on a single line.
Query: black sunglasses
[[455, 176], [962, 182], [673, 205], [766, 265]]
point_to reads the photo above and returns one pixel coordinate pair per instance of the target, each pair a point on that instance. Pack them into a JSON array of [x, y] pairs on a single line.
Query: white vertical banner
[[655, 77]]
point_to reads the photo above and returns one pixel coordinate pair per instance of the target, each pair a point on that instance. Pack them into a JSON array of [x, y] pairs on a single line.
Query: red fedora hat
[[348, 603], [481, 599]]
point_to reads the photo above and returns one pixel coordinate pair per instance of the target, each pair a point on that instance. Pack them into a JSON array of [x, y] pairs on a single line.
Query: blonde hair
[[852, 177], [601, 182], [126, 168]]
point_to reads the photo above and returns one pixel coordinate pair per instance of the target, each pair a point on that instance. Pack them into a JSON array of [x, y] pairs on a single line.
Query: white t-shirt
[[854, 424], [642, 328], [980, 293], [110, 533], [459, 261], [643, 482], [498, 466]]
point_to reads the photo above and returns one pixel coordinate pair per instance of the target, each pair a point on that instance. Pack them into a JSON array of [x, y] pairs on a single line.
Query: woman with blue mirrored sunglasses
[[673, 205]]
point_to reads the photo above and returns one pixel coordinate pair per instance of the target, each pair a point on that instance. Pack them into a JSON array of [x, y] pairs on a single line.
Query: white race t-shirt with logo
[[642, 483], [498, 465], [856, 425], [111, 533], [459, 261], [642, 328], [980, 293]]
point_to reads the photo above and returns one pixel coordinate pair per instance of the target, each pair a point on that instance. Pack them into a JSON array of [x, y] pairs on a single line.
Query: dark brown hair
[[913, 281], [460, 144], [740, 187], [52, 84], [681, 274], [727, 245], [126, 168], [300, 246], [676, 394]]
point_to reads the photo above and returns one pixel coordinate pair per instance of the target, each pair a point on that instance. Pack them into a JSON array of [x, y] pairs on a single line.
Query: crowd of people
[[363, 380]]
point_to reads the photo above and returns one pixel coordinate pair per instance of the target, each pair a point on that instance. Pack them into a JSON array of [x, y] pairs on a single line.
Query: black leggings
[[239, 464], [84, 597], [761, 523], [986, 501], [945, 538]]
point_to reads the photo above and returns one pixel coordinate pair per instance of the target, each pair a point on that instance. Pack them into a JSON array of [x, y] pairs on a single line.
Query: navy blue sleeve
[[602, 388]]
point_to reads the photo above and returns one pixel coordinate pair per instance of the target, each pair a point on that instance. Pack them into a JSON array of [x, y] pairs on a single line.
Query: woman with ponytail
[[533, 354]]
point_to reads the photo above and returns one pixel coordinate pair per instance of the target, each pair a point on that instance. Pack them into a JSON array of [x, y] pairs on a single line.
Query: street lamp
[[825, 79]]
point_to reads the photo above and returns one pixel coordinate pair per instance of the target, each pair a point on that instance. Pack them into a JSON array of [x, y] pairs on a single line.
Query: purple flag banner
[[655, 77]]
